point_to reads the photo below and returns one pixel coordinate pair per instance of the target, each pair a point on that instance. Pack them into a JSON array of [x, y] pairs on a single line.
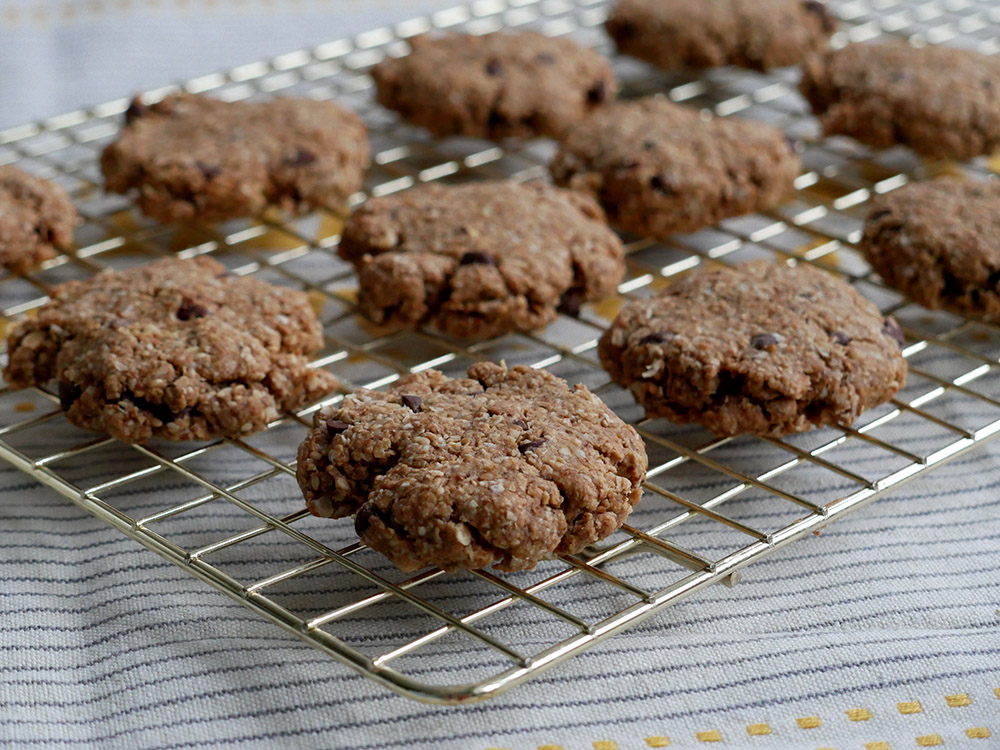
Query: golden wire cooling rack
[[229, 512]]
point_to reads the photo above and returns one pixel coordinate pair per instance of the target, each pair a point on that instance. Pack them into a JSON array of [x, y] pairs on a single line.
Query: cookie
[[175, 349], [480, 259], [939, 243], [758, 348], [503, 468], [505, 84], [191, 158], [658, 168], [36, 218], [758, 34], [942, 102]]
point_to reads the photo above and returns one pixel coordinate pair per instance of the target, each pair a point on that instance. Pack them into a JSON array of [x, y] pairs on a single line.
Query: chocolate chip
[[476, 258], [841, 338], [891, 328], [879, 215], [208, 170], [598, 93], [68, 393], [335, 426], [521, 423], [525, 447], [413, 402], [545, 59], [135, 110], [363, 520], [571, 302], [161, 412], [661, 184], [494, 68], [648, 145], [189, 310], [993, 279], [300, 158], [763, 341], [825, 17], [652, 338]]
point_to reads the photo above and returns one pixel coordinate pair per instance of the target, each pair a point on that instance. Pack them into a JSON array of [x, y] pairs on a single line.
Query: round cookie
[[192, 158], [939, 243], [758, 34], [758, 348], [480, 259], [175, 349], [505, 84], [940, 101], [36, 218], [658, 168], [504, 468]]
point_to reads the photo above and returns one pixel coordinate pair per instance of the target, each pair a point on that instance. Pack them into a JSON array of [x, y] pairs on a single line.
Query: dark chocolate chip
[[521, 423], [545, 58], [363, 520], [661, 184], [825, 17], [879, 215], [68, 393], [525, 447], [652, 338], [210, 171], [598, 93], [763, 341], [891, 329], [135, 110], [300, 158], [161, 412], [189, 310], [476, 258], [841, 338], [494, 68], [571, 302], [412, 401], [993, 279], [648, 145], [335, 426]]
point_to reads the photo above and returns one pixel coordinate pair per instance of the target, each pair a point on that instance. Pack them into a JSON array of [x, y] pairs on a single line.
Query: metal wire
[[228, 511]]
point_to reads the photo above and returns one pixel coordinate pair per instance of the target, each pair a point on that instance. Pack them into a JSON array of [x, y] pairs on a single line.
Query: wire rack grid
[[228, 511]]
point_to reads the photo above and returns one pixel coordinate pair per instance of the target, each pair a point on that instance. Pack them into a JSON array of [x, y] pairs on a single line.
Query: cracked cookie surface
[[658, 168], [504, 84], [192, 158], [939, 243], [36, 218], [174, 349], [940, 101], [503, 468], [759, 348], [480, 259], [758, 34]]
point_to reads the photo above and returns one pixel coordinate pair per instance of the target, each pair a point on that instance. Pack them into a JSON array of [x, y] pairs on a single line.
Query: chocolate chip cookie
[[658, 168], [942, 102], [175, 349], [191, 158], [503, 468], [480, 259], [939, 243], [759, 348], [36, 218], [758, 34], [504, 84]]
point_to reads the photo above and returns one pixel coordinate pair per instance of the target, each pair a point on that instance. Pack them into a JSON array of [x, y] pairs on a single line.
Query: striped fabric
[[882, 632]]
